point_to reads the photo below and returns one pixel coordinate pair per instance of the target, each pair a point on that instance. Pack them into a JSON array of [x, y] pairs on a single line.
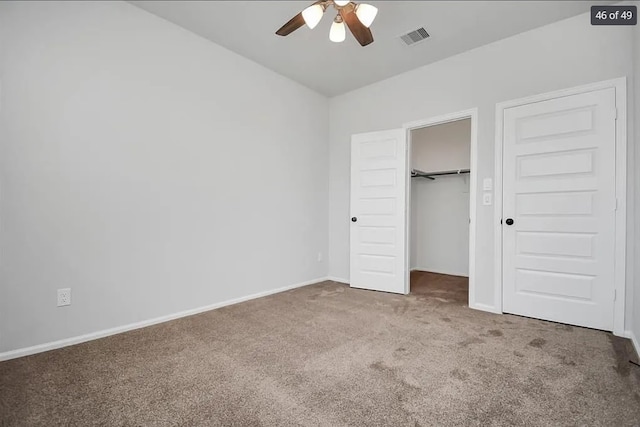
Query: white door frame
[[473, 182], [620, 86]]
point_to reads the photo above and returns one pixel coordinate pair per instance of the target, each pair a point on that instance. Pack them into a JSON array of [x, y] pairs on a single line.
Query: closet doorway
[[441, 207]]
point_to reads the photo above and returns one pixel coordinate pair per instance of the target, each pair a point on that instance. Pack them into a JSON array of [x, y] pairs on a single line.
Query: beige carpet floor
[[328, 355]]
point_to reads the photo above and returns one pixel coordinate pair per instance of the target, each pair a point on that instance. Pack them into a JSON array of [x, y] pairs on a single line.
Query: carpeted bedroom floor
[[328, 355]]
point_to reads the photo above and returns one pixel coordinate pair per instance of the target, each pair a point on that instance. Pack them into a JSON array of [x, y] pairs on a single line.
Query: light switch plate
[[487, 184], [486, 199]]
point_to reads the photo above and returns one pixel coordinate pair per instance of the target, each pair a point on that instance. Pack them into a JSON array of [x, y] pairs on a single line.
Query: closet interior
[[439, 202]]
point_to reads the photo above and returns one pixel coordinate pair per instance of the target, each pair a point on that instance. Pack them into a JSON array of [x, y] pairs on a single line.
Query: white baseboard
[[634, 340], [338, 279], [13, 354]]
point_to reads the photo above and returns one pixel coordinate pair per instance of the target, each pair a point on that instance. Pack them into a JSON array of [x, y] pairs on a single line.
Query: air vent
[[415, 36]]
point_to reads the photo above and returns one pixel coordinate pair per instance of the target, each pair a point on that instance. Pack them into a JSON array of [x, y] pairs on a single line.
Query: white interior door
[[378, 223], [559, 191]]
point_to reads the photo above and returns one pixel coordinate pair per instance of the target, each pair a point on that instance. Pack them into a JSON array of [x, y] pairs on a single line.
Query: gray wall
[[148, 169]]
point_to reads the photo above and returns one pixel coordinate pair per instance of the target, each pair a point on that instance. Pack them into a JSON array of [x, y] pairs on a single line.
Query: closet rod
[[419, 173]]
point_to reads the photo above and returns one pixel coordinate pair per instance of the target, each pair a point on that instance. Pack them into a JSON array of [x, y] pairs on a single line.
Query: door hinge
[[615, 294], [615, 204], [615, 114]]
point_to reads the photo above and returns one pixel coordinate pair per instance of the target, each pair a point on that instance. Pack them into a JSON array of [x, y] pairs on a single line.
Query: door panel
[[559, 189], [378, 194]]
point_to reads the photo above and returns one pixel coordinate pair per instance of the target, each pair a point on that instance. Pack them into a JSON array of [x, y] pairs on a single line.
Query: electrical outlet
[[64, 297], [319, 256]]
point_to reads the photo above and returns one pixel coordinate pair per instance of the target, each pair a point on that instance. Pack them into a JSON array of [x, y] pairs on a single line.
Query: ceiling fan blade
[[298, 21], [359, 31], [293, 24]]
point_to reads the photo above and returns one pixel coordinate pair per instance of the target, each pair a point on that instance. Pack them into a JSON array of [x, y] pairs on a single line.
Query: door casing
[[620, 86]]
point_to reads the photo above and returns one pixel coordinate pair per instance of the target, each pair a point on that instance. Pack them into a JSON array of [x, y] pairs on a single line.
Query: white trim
[[472, 114], [407, 211], [620, 86], [442, 119], [473, 203], [634, 341], [338, 279], [620, 271], [497, 210], [119, 329]]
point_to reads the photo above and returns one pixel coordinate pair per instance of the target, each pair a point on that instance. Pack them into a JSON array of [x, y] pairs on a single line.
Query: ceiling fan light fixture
[[366, 13], [356, 17], [337, 33], [312, 15]]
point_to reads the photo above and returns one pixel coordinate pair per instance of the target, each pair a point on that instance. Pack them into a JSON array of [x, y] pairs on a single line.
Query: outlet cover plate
[[64, 297]]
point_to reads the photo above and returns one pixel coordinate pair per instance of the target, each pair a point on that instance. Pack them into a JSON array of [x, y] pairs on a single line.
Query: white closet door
[[378, 217], [559, 209]]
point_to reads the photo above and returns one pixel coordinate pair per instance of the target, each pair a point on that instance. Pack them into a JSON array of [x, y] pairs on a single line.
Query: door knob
[[354, 219], [509, 221]]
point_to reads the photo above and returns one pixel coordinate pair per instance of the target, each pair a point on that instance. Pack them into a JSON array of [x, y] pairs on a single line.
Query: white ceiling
[[307, 56]]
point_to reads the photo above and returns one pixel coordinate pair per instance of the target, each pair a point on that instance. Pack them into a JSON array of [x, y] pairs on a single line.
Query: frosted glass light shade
[[312, 15], [337, 33], [341, 2], [366, 14]]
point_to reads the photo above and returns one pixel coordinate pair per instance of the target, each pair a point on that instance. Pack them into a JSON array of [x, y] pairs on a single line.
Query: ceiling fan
[[358, 18]]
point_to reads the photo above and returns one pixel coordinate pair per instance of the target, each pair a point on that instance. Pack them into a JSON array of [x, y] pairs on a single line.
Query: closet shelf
[[415, 173]]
